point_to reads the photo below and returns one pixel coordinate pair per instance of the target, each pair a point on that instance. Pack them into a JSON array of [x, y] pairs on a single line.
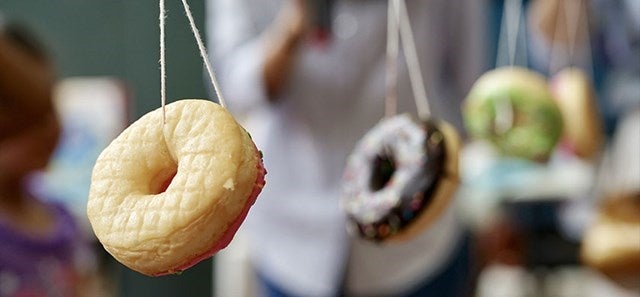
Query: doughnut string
[[203, 53], [201, 48], [163, 71], [509, 32], [508, 39], [391, 100], [413, 64], [572, 21], [398, 18]]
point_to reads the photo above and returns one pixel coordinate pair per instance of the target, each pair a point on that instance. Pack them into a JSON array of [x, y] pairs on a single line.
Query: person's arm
[[253, 63], [285, 36]]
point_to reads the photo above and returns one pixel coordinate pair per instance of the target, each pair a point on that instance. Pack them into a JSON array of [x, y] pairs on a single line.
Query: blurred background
[[527, 219]]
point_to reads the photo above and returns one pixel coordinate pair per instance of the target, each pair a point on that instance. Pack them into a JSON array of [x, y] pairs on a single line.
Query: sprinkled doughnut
[[400, 177], [164, 197]]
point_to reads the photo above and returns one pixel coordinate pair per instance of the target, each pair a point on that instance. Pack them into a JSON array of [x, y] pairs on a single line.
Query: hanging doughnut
[[611, 244], [400, 178], [513, 109], [164, 197], [575, 97]]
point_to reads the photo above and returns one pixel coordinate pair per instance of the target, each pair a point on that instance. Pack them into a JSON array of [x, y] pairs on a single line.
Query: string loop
[[509, 32], [201, 48], [399, 15], [391, 102], [163, 72], [572, 16]]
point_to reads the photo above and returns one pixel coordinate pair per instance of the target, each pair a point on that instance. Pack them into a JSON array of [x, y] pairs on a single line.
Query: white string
[[523, 38], [515, 13], [509, 29], [572, 20], [573, 30], [413, 64], [203, 53], [587, 40], [163, 73], [554, 48], [391, 100], [557, 59]]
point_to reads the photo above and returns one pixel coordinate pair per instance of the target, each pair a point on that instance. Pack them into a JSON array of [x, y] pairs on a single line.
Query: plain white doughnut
[[218, 173]]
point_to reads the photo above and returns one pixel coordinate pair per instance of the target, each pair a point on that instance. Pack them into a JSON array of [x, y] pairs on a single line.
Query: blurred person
[[41, 248], [307, 94]]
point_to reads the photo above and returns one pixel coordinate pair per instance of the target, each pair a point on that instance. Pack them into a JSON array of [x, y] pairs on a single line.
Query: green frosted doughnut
[[513, 108]]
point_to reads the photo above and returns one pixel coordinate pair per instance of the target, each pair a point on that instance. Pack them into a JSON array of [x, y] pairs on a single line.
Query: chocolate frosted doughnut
[[400, 177]]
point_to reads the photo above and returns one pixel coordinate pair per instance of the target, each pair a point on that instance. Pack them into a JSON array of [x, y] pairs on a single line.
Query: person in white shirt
[[306, 101]]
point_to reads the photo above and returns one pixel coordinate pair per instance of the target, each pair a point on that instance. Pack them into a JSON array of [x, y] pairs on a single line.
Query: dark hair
[[26, 40]]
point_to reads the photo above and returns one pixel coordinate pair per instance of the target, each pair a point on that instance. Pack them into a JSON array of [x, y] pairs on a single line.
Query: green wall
[[120, 38]]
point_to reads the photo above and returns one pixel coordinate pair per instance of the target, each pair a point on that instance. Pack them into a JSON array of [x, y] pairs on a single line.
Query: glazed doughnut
[[612, 244], [575, 97], [163, 198], [400, 178], [513, 109]]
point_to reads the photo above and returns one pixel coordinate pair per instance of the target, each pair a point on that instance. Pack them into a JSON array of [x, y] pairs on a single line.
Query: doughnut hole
[[161, 180], [384, 166]]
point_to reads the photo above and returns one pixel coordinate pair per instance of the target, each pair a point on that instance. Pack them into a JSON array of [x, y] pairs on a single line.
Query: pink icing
[[232, 229]]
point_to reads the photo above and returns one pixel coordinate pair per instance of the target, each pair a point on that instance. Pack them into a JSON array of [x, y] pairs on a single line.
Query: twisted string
[[163, 72], [411, 59], [509, 31], [572, 21], [201, 48], [391, 100], [203, 54]]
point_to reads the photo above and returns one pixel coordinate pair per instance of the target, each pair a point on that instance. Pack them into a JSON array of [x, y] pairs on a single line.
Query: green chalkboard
[[118, 38]]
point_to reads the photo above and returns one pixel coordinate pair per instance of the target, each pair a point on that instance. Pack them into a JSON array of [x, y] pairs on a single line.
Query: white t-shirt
[[334, 95]]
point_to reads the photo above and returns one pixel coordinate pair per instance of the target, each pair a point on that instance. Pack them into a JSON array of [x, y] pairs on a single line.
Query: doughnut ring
[[400, 178], [513, 108], [165, 197]]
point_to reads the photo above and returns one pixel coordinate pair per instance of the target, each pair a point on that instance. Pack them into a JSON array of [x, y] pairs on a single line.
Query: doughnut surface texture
[[157, 223]]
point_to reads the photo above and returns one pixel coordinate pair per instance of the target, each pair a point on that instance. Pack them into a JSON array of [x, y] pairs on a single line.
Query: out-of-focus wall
[[118, 38]]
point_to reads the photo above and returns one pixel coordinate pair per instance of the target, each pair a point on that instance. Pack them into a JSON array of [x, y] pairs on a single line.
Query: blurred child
[[40, 244]]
